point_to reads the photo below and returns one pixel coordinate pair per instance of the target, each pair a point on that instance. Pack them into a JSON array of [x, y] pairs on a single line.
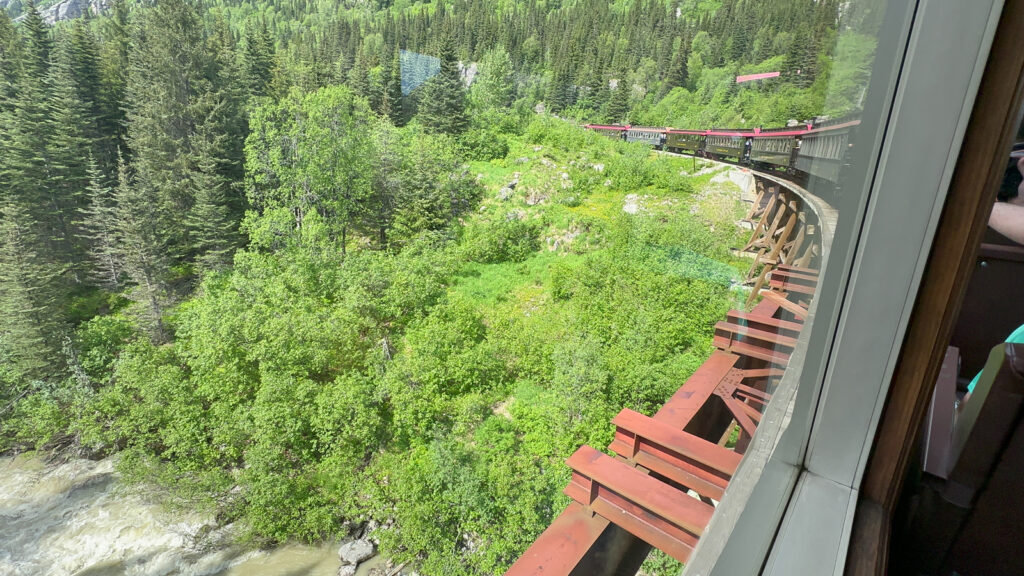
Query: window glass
[[801, 171]]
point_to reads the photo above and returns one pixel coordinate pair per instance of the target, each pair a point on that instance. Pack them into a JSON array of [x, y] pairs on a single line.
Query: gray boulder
[[356, 551], [348, 570]]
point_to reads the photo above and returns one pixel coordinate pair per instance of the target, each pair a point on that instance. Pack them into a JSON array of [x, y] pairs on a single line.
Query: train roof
[[830, 127], [784, 132], [646, 129], [606, 127], [734, 133], [781, 133]]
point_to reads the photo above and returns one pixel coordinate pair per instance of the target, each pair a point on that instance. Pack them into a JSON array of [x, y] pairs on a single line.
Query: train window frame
[[807, 484]]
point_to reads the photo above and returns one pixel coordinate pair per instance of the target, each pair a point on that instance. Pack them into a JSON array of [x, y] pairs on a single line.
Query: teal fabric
[[1016, 338]]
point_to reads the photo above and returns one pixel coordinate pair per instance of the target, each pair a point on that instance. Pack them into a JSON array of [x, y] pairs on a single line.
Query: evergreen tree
[[113, 64], [168, 69], [99, 228], [556, 96], [67, 170], [386, 187], [359, 77], [390, 99], [143, 253], [443, 108], [31, 318], [10, 60], [675, 76], [258, 58], [619, 103], [211, 222], [81, 62], [38, 43], [495, 86]]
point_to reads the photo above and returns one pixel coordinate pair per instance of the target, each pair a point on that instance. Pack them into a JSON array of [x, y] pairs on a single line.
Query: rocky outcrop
[[71, 9], [65, 9]]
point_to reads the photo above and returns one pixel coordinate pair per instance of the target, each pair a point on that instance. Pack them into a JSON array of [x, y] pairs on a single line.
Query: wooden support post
[[807, 258], [791, 254], [773, 256], [760, 225], [756, 206]]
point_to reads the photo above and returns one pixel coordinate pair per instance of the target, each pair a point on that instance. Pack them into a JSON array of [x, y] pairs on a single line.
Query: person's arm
[[1008, 220]]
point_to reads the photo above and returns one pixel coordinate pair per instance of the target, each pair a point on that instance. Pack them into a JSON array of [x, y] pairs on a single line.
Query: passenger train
[[814, 149]]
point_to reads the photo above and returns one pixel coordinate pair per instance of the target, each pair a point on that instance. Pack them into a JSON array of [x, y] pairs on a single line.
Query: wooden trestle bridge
[[670, 470]]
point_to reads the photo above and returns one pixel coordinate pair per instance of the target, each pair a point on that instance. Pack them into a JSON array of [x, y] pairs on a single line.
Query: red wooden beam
[[773, 325], [564, 545], [649, 509], [693, 462], [684, 404]]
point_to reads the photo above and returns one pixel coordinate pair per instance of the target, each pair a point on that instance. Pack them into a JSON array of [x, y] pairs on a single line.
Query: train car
[[686, 141], [728, 144], [612, 131], [652, 136], [776, 148], [823, 148]]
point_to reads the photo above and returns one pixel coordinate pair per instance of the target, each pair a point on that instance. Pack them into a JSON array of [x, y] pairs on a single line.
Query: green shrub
[[485, 144], [505, 240], [630, 170]]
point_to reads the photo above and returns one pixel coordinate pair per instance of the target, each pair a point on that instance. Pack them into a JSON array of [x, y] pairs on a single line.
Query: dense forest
[[237, 249]]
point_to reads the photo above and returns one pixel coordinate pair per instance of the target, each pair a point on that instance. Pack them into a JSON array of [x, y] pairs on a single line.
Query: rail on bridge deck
[[670, 470]]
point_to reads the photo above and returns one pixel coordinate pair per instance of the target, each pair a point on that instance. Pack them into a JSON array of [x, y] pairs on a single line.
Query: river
[[76, 519]]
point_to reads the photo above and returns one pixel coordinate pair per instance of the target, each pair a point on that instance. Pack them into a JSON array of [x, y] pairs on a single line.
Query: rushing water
[[75, 519]]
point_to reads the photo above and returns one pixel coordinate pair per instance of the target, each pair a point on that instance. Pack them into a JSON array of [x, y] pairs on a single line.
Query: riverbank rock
[[356, 551], [349, 570]]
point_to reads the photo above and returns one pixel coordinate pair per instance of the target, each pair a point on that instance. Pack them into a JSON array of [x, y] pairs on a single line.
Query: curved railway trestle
[[671, 470]]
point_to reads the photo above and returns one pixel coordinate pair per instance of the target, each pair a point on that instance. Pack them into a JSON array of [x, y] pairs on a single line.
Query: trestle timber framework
[[667, 472]]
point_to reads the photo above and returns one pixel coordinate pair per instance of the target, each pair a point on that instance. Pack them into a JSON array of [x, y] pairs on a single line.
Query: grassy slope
[[525, 288]]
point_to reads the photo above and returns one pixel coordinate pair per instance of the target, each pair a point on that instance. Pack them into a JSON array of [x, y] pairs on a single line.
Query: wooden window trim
[[979, 171]]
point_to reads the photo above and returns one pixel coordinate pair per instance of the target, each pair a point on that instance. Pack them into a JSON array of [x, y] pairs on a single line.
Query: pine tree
[[37, 42], [143, 253], [443, 108], [619, 103], [10, 60], [27, 125], [359, 77], [387, 184], [113, 64], [67, 169], [31, 320], [556, 95], [82, 65], [212, 227], [258, 58], [675, 76], [99, 228], [391, 91]]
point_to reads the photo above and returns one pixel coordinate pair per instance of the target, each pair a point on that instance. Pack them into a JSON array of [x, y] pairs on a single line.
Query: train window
[[753, 465], [816, 248]]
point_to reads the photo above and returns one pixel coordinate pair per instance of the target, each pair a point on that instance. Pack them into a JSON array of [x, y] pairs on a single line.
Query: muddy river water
[[76, 519]]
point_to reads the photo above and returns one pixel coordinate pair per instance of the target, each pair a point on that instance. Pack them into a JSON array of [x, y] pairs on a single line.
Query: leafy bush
[[630, 169], [665, 173], [100, 341], [485, 144], [505, 240]]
